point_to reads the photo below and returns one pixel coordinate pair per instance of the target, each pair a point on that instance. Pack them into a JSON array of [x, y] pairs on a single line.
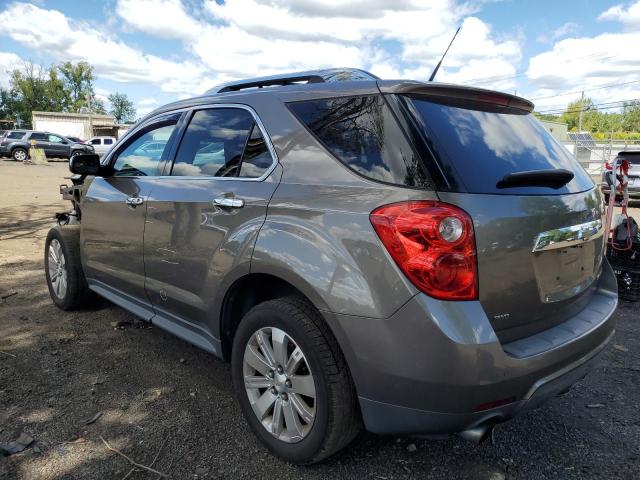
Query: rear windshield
[[476, 147], [362, 133], [632, 157]]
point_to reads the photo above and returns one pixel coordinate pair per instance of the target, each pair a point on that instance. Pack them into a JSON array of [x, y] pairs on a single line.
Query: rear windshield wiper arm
[[555, 178]]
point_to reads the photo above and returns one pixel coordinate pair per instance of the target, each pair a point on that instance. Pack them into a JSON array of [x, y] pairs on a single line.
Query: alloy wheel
[[20, 155], [57, 269], [280, 385]]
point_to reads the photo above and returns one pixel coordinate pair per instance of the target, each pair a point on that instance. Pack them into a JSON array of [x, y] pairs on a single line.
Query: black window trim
[[429, 177], [185, 123]]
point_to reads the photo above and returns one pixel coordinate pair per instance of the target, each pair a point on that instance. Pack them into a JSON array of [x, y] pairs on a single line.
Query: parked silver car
[[633, 187], [417, 258]]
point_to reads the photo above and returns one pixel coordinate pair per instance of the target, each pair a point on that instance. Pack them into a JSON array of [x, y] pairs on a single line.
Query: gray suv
[[414, 258], [16, 144]]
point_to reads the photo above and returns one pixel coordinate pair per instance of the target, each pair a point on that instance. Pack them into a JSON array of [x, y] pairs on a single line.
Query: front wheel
[[63, 270], [292, 381]]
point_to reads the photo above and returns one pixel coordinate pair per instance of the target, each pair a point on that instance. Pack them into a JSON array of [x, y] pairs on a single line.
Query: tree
[[32, 88], [121, 108], [78, 81], [572, 113]]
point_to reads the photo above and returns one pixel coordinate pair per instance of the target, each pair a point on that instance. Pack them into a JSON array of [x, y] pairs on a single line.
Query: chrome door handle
[[134, 201], [228, 202]]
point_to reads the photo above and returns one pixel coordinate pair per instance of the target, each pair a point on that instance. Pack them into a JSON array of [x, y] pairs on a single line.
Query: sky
[[157, 51]]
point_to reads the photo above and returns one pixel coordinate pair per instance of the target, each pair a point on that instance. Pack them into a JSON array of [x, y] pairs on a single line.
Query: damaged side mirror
[[85, 164]]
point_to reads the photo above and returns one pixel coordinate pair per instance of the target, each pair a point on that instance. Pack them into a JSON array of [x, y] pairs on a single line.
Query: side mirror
[[85, 164]]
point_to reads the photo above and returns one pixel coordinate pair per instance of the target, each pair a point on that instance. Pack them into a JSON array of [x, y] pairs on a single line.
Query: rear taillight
[[433, 244]]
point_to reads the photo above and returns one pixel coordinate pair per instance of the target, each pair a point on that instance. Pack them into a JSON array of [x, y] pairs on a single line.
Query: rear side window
[[108, 141], [15, 135], [476, 147], [363, 134]]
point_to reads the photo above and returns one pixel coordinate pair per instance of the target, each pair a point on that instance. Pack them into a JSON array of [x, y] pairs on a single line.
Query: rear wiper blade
[[555, 178]]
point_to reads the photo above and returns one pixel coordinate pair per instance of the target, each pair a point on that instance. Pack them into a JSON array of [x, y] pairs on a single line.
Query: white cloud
[[49, 31], [629, 17], [587, 63], [8, 63], [560, 32], [244, 38]]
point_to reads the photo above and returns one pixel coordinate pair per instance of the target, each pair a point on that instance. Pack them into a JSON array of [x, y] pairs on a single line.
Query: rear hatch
[[537, 215]]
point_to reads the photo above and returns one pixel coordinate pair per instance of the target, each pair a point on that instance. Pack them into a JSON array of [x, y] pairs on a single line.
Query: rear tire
[[333, 420], [19, 154], [63, 269]]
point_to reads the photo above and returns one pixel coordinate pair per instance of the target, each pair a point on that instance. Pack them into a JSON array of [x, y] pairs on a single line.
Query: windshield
[[476, 147]]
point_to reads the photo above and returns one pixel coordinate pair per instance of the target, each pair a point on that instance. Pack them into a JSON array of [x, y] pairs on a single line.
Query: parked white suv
[[102, 144]]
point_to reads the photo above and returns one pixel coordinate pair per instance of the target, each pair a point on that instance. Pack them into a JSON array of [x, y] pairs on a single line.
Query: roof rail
[[266, 82], [312, 76]]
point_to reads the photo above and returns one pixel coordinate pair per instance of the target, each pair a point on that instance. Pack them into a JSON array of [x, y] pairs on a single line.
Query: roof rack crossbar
[[267, 82]]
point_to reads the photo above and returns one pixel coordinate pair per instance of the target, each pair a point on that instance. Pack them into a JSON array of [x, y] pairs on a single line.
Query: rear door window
[[39, 136], [213, 143], [363, 134], [476, 146]]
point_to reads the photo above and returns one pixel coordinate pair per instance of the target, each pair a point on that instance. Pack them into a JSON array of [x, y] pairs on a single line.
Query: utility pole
[[581, 110]]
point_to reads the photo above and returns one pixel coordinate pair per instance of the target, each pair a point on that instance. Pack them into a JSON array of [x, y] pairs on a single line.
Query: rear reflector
[[433, 244], [497, 403]]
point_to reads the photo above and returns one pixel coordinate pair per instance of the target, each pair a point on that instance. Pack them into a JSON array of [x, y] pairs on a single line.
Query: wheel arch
[[252, 289]]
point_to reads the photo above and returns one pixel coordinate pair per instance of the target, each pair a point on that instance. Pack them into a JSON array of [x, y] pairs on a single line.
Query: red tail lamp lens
[[433, 244]]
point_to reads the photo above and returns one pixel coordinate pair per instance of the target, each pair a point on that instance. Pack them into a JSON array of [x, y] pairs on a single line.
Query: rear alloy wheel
[[19, 154], [292, 381], [279, 384]]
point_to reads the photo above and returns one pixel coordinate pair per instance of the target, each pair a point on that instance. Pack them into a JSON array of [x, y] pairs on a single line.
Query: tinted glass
[[15, 135], [108, 141], [477, 147], [257, 158], [143, 153], [95, 141], [213, 143], [39, 136], [363, 134]]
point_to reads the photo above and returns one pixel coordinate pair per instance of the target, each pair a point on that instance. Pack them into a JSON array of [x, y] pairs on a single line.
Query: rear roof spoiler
[[446, 90]]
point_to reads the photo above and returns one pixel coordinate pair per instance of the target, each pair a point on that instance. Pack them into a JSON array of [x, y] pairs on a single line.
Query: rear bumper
[[434, 367]]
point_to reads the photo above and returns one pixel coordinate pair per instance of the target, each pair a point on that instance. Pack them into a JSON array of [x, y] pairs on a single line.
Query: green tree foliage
[[78, 81], [32, 88], [65, 88], [122, 108], [601, 124]]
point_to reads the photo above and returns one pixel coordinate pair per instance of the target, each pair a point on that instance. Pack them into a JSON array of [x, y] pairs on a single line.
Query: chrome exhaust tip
[[478, 434]]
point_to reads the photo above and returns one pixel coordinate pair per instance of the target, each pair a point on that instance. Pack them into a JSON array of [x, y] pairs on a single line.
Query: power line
[[597, 106], [601, 87], [498, 78]]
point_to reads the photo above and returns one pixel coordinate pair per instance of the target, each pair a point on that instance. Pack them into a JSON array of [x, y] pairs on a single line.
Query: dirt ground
[[70, 380]]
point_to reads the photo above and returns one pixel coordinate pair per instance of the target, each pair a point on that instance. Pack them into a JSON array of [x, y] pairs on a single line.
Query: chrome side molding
[[568, 236]]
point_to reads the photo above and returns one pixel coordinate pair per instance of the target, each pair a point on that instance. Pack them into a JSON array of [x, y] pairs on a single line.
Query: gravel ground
[[163, 402]]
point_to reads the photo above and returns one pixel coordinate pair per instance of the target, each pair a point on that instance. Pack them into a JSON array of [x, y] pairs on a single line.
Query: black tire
[[17, 153], [76, 294], [337, 420]]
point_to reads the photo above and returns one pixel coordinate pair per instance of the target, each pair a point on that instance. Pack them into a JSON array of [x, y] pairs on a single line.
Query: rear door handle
[[229, 202], [134, 201]]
